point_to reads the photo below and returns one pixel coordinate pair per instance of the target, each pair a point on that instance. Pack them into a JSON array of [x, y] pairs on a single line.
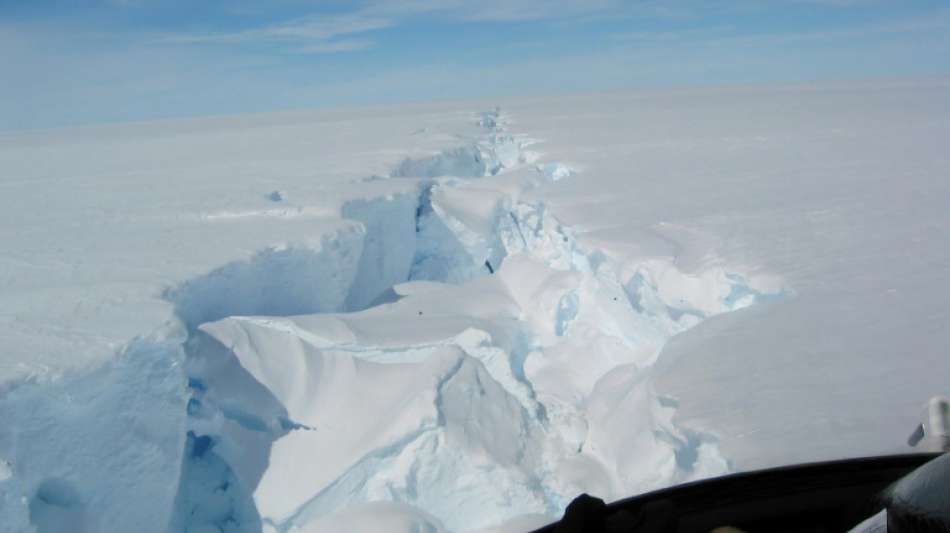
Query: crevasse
[[452, 358], [505, 414]]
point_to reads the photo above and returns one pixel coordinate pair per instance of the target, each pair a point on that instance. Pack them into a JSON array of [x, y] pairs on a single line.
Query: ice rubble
[[452, 359], [507, 371]]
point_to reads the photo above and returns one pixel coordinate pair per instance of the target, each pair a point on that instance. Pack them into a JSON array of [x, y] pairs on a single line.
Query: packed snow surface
[[457, 317]]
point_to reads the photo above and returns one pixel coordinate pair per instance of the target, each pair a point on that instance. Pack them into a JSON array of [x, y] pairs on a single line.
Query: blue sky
[[66, 63]]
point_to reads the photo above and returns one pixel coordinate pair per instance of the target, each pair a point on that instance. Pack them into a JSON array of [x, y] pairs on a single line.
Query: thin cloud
[[840, 3], [322, 34], [306, 33], [725, 35], [345, 45], [124, 3], [492, 10], [668, 36]]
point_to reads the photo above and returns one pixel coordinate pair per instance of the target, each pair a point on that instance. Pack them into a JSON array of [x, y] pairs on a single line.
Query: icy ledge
[[452, 360]]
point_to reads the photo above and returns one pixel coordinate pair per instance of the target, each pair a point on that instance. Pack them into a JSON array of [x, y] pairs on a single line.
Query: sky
[[76, 62]]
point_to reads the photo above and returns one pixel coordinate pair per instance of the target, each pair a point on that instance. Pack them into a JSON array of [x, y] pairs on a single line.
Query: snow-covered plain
[[456, 317]]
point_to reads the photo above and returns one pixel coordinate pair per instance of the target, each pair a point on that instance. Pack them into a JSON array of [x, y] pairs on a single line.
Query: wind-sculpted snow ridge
[[458, 361]]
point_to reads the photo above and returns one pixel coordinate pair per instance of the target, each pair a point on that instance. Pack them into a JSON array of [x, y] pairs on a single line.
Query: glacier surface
[[432, 319]]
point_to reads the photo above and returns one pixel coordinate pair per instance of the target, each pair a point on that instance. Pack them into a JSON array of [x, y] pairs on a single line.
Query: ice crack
[[531, 404]]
